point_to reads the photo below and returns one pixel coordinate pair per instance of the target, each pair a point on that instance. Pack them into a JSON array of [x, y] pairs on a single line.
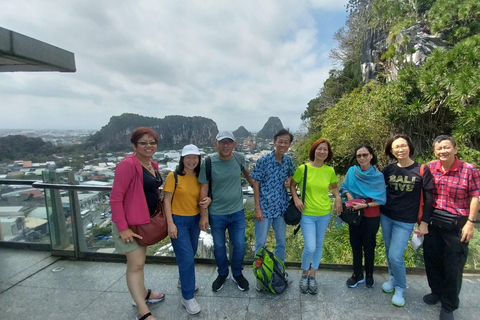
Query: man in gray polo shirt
[[226, 210]]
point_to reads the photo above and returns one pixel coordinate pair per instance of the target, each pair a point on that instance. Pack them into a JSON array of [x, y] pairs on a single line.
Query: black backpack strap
[[239, 159], [304, 184], [208, 173]]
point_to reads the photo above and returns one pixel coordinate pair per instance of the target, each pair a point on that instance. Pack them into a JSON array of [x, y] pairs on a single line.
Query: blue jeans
[[313, 229], [235, 223], [395, 236], [280, 229], [185, 248]]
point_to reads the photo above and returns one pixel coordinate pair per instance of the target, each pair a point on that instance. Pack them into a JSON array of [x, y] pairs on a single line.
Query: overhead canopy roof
[[22, 53]]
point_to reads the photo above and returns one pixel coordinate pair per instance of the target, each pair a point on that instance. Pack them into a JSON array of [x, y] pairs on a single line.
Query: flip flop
[[145, 316], [147, 300]]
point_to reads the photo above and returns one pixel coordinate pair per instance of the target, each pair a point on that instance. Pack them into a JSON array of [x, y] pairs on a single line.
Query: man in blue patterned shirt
[[271, 174]]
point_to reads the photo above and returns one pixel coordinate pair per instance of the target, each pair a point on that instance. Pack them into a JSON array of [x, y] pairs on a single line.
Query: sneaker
[[389, 286], [398, 298], [191, 306], [312, 285], [431, 298], [355, 279], [217, 285], [259, 287], [241, 282], [179, 285], [369, 281], [446, 315], [304, 283]]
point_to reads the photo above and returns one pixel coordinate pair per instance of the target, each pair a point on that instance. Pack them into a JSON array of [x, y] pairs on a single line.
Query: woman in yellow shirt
[[182, 208]]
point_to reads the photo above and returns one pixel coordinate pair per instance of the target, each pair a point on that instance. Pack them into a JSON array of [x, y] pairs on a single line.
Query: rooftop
[[21, 53], [36, 285]]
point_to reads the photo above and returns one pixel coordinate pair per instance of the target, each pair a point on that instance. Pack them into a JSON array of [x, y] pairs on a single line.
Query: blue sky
[[237, 63]]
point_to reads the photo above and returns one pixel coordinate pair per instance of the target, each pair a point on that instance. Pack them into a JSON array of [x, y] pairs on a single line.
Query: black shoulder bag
[[292, 215]]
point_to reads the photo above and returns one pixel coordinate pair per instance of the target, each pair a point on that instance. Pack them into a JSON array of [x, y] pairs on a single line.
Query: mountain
[[272, 126], [173, 131], [241, 132], [17, 147]]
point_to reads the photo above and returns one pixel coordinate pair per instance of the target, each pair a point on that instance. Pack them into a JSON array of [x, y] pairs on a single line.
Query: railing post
[[56, 217], [77, 223]]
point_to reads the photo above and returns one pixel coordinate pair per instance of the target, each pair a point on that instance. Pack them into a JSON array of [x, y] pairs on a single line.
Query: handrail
[[42, 185]]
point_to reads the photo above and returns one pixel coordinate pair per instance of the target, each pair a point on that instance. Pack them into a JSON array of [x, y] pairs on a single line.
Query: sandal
[[147, 300], [145, 316]]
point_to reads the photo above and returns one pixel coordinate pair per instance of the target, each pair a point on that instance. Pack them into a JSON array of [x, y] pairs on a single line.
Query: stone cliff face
[[270, 128], [412, 45], [173, 131]]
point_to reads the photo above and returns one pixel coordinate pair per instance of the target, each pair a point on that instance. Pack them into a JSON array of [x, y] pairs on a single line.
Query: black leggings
[[364, 237]]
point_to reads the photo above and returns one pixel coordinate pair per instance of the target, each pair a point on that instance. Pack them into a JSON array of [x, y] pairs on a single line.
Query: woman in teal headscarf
[[364, 181]]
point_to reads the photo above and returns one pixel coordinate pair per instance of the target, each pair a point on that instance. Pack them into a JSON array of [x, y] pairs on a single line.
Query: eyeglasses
[[225, 142], [145, 143], [363, 155], [403, 146]]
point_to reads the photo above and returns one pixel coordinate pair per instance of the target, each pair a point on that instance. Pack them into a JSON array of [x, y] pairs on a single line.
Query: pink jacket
[[127, 200]]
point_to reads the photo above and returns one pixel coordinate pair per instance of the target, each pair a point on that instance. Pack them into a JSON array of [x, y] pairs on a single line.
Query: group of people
[[446, 191]]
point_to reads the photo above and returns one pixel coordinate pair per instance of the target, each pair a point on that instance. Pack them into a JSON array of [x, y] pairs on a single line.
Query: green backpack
[[269, 271]]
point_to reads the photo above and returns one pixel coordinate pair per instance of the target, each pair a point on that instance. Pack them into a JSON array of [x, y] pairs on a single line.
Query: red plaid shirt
[[455, 188]]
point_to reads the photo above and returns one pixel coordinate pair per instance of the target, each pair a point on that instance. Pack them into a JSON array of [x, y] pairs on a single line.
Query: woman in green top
[[316, 209]]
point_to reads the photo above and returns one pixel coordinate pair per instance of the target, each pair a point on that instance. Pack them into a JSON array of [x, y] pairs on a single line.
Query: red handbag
[[154, 231], [420, 208]]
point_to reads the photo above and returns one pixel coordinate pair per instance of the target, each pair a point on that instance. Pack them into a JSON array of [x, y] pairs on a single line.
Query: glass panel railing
[[23, 215], [75, 220]]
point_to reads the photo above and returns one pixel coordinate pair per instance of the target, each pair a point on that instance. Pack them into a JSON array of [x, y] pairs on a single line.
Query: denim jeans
[[313, 229], [395, 236], [235, 224], [280, 229], [185, 248]]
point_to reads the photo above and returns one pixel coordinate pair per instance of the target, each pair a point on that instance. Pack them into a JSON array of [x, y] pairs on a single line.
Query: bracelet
[[472, 221], [368, 206]]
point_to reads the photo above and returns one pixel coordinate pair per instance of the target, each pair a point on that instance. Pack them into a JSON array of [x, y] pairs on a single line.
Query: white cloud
[[235, 62]]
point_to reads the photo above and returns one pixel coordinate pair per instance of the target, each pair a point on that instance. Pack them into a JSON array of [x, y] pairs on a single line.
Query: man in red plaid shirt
[[455, 209]]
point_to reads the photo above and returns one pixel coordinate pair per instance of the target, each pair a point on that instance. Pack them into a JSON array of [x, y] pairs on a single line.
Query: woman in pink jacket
[[134, 199]]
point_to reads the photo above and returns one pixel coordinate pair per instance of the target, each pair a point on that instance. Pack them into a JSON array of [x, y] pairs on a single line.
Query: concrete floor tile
[[78, 275], [22, 302]]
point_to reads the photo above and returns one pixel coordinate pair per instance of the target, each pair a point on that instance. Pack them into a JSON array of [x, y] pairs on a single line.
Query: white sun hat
[[190, 149]]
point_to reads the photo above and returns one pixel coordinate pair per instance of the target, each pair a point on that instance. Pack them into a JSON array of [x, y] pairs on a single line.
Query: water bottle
[[339, 223]]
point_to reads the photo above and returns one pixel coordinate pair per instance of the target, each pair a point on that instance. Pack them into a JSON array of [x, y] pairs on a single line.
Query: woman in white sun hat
[[182, 208]]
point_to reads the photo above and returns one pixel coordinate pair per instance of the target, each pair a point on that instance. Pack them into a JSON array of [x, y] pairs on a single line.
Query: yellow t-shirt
[[317, 201], [185, 198]]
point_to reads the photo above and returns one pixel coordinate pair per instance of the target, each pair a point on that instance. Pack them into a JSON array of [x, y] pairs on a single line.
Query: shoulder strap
[[304, 183], [422, 168], [176, 180], [238, 157], [208, 174]]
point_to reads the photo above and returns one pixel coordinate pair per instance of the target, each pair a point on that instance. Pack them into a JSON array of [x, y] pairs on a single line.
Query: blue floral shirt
[[272, 175]]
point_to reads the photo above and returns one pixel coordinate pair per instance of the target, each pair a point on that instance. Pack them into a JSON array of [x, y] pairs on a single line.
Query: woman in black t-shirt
[[404, 187]]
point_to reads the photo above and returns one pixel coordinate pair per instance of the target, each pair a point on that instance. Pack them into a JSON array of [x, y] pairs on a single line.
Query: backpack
[[269, 271], [208, 170]]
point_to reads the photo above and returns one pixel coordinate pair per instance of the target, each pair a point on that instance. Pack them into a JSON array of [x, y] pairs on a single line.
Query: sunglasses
[[363, 155], [145, 143]]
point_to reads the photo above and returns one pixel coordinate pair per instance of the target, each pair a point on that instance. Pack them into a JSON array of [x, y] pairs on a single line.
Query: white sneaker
[[191, 306], [179, 285]]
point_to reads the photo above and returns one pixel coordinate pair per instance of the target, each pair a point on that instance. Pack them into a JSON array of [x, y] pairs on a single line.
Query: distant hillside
[[241, 132], [174, 132], [18, 147], [272, 126]]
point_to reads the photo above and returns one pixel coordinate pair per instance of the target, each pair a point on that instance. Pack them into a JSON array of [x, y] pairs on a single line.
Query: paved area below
[[34, 285]]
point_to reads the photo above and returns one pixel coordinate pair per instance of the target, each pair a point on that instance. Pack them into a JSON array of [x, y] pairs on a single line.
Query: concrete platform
[[34, 285]]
